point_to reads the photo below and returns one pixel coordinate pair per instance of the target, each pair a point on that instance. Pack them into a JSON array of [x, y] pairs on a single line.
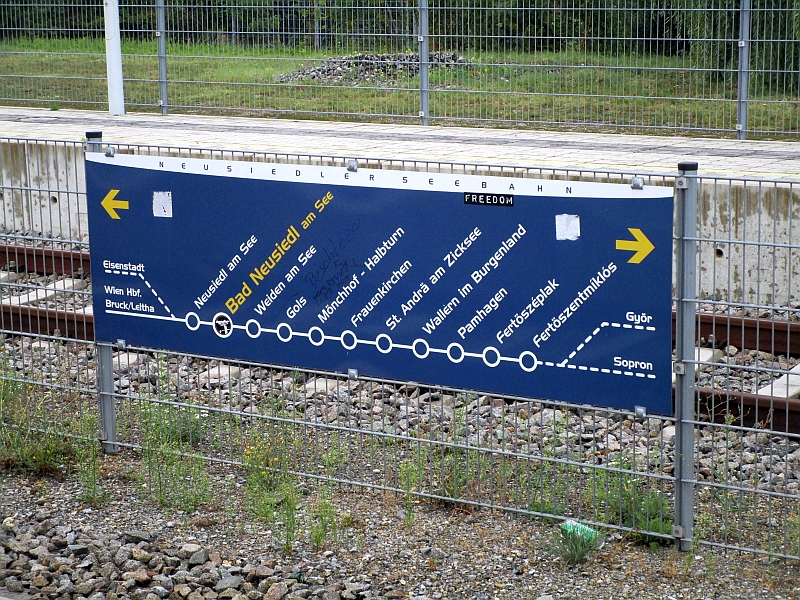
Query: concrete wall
[[43, 189], [761, 266]]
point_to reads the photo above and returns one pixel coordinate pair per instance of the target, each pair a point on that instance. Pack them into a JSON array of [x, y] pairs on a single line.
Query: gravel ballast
[[370, 69], [54, 547]]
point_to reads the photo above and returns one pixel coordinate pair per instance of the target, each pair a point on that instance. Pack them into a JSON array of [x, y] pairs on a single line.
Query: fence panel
[[682, 66], [531, 456], [747, 462], [52, 54], [775, 68], [286, 58], [48, 380], [638, 65]]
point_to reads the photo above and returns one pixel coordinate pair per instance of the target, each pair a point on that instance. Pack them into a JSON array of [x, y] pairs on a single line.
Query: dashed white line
[[147, 283], [582, 345]]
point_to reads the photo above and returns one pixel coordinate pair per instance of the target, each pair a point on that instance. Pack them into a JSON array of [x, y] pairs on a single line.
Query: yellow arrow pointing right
[[112, 206], [641, 246]]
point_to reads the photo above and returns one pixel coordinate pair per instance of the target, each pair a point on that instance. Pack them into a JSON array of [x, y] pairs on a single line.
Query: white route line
[[527, 360], [157, 317]]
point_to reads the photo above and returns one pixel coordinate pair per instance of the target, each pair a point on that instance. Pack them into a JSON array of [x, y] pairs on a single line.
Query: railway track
[[23, 314], [777, 337]]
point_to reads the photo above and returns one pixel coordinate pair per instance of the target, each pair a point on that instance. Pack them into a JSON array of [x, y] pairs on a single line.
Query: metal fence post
[[108, 409], [234, 27], [744, 70], [105, 357], [686, 284], [424, 59], [161, 35], [116, 94], [317, 27]]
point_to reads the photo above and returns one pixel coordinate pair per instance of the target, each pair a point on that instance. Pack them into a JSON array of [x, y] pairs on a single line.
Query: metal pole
[[161, 35], [116, 94], [686, 283], [424, 58], [235, 27], [108, 409], [744, 70], [94, 141], [317, 34], [105, 359]]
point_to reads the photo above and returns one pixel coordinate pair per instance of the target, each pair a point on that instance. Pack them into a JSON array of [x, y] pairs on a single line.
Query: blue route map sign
[[536, 288]]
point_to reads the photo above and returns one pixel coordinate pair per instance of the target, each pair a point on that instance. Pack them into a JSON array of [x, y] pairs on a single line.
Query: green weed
[[572, 546], [87, 455], [793, 543], [288, 510], [335, 456], [173, 477], [630, 500], [267, 458], [452, 471], [31, 439], [324, 524], [409, 480], [170, 423], [271, 491], [166, 422], [549, 480]]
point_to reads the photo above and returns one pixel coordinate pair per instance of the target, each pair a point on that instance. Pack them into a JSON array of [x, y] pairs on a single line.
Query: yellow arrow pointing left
[[641, 246], [112, 206]]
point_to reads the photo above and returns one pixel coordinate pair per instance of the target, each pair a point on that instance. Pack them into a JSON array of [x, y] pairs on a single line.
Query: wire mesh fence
[[531, 456], [681, 66]]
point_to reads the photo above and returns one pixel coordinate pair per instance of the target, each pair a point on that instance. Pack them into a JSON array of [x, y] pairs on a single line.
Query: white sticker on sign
[[162, 204], [568, 227]]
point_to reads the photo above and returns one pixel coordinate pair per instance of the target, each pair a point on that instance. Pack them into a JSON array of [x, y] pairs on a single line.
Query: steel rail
[[45, 260], [38, 320]]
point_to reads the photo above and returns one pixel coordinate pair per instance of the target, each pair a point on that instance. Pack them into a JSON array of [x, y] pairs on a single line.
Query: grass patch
[[172, 476], [265, 461], [645, 93], [31, 439], [550, 480], [271, 489]]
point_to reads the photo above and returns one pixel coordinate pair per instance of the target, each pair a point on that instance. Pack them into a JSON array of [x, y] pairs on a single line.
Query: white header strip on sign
[[383, 178]]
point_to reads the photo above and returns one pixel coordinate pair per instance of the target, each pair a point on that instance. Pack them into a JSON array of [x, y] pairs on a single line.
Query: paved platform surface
[[586, 151]]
